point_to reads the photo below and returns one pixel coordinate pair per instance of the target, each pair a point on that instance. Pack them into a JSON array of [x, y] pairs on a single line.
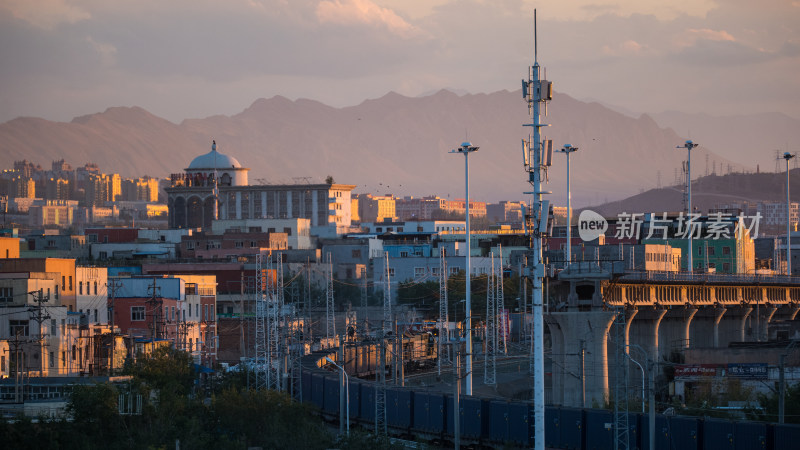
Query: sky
[[184, 59]]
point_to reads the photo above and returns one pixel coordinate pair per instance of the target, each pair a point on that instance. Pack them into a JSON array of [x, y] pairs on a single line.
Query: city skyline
[[180, 60]]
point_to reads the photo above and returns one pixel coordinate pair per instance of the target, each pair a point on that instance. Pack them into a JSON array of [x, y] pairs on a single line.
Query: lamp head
[[787, 156]]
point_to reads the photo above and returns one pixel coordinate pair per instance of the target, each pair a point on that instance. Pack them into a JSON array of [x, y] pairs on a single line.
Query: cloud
[[692, 35], [629, 47], [45, 14], [362, 12]]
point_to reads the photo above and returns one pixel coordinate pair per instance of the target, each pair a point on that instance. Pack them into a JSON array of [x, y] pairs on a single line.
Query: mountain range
[[394, 144]]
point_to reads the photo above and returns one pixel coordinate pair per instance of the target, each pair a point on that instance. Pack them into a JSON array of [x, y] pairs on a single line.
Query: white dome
[[214, 160]]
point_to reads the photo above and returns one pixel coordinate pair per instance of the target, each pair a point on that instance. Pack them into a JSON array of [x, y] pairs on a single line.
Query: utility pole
[[115, 284], [156, 304], [39, 316], [782, 380]]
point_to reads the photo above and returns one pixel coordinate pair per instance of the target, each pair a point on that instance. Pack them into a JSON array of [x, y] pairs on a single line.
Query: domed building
[[214, 187], [214, 164]]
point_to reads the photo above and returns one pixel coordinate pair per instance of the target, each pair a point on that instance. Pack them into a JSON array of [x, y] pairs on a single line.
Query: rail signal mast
[[537, 92]]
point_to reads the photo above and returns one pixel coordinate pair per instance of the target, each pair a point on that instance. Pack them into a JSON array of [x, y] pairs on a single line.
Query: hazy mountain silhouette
[[708, 192], [393, 144]]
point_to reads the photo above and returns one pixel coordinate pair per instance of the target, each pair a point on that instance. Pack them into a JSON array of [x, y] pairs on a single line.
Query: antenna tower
[[490, 367], [274, 330], [330, 312], [500, 301], [443, 304], [536, 92], [387, 297], [261, 350], [621, 436]]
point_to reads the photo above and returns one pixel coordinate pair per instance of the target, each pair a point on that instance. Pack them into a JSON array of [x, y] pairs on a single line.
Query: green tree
[[267, 419], [791, 407], [420, 294]]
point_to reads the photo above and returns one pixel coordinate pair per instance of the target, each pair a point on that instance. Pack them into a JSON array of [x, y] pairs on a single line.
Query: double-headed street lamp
[[689, 145], [567, 149], [787, 156], [343, 390], [465, 149]]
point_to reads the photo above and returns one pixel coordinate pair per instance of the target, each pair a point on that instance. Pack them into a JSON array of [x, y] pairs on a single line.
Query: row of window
[[88, 288], [138, 313]]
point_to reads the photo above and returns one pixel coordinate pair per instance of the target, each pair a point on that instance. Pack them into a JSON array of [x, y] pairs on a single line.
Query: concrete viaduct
[[663, 312]]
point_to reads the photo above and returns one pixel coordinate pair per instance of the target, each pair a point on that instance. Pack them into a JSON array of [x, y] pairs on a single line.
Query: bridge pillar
[[719, 311], [558, 357], [792, 311], [764, 315], [584, 330], [646, 329], [630, 313], [688, 322], [743, 324]]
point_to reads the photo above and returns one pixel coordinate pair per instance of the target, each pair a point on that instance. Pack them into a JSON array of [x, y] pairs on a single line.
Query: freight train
[[417, 413]]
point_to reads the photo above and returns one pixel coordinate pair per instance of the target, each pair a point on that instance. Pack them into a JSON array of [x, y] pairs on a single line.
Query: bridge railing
[[716, 278]]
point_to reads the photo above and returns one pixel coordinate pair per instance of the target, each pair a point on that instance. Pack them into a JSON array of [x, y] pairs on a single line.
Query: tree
[[329, 180], [420, 294], [267, 419], [791, 408]]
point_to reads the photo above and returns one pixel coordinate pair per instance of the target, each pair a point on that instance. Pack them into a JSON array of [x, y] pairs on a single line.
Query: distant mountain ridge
[[393, 144], [708, 192]]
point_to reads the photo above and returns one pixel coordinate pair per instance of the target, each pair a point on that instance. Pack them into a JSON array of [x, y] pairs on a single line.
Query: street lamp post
[[465, 149], [689, 145], [567, 150], [346, 393], [787, 156]]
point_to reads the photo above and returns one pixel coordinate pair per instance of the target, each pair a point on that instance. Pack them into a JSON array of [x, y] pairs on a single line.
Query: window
[[137, 313], [726, 267], [80, 287], [53, 327], [172, 313], [453, 270], [189, 245], [18, 327], [52, 359], [103, 255], [70, 282], [239, 244], [253, 244], [419, 272], [197, 310], [726, 250], [95, 288], [356, 253], [63, 282], [403, 254], [288, 231], [95, 315], [391, 271], [6, 294], [710, 251]]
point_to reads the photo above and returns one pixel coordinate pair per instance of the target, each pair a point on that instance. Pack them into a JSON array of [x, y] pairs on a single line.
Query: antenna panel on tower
[[547, 152]]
